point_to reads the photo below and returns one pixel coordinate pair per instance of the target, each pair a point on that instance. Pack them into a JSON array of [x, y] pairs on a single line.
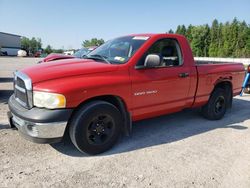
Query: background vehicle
[[69, 52], [78, 54], [124, 80], [21, 53], [84, 51], [3, 53], [38, 53]]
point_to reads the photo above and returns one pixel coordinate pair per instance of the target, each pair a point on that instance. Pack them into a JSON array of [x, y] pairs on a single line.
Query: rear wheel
[[216, 107], [95, 127]]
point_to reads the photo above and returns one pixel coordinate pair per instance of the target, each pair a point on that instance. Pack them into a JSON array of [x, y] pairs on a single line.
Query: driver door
[[160, 90]]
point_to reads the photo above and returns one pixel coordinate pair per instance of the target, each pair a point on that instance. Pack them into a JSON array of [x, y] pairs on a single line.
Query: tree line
[[92, 42], [31, 46], [230, 39]]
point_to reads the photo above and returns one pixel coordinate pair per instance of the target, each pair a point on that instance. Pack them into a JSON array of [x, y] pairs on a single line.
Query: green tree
[[230, 39], [189, 33], [31, 45], [225, 48], [247, 45], [181, 29], [200, 41], [206, 40], [170, 31], [220, 41], [57, 51], [25, 43], [214, 37], [92, 42], [48, 49], [241, 40], [233, 37]]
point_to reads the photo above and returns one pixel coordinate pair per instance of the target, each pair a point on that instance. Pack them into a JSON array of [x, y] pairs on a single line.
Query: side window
[[168, 50]]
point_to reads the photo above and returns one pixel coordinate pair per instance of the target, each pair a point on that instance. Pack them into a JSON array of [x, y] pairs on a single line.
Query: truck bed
[[211, 72]]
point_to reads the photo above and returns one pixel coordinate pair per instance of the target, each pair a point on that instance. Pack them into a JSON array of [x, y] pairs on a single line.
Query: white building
[[10, 43]]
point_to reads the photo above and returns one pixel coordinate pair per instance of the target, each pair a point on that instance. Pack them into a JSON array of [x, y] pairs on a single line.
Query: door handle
[[183, 75]]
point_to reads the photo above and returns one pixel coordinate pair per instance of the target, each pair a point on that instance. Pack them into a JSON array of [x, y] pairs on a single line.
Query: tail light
[[248, 69]]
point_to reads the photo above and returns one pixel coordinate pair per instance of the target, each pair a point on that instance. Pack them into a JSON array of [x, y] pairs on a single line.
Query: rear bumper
[[38, 125]]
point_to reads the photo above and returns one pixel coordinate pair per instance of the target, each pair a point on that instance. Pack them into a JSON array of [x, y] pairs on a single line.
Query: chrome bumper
[[40, 130]]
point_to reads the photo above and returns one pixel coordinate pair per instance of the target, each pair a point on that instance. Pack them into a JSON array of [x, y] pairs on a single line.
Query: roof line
[[10, 34]]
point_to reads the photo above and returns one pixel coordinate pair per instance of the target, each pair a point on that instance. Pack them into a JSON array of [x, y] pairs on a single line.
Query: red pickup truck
[[130, 78]]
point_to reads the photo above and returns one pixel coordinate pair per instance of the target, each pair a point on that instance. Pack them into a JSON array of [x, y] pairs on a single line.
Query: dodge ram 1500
[[126, 79]]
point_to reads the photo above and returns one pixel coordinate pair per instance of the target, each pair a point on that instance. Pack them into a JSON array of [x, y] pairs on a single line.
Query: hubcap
[[100, 129]]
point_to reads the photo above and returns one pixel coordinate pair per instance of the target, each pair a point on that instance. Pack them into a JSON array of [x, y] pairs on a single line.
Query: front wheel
[[95, 127], [216, 107]]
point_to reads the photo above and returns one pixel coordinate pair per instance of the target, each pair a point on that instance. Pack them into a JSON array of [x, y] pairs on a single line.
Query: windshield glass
[[119, 50], [80, 53]]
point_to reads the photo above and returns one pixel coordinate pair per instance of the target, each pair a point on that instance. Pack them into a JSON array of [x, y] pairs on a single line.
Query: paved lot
[[179, 150]]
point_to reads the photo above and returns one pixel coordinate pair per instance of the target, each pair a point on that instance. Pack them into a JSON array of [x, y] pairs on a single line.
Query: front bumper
[[38, 125]]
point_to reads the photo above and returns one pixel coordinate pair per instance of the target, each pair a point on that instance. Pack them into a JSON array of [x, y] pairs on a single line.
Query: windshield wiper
[[98, 57]]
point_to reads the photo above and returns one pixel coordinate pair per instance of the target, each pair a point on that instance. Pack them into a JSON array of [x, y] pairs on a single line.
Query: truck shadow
[[169, 128], [4, 126], [4, 96], [6, 79]]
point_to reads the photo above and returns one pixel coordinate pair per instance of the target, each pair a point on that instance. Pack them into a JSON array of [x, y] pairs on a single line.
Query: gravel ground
[[178, 150]]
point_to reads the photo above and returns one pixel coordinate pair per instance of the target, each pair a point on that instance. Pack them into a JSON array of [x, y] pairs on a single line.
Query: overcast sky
[[65, 24]]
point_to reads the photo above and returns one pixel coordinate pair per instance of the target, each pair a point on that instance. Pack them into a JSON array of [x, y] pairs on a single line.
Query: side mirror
[[152, 60]]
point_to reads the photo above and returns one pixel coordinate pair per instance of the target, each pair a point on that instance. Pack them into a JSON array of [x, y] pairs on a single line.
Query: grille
[[21, 92], [20, 82]]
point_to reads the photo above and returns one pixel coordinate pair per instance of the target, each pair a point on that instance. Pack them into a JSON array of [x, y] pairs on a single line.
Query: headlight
[[48, 100]]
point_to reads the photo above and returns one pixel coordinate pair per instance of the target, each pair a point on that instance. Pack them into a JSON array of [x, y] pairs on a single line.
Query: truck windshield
[[80, 53], [119, 50]]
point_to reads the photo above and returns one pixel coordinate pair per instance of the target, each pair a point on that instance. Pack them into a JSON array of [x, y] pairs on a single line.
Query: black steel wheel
[[220, 105], [216, 107], [100, 129]]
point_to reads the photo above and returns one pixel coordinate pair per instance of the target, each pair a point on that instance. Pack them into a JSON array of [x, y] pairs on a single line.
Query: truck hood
[[66, 68]]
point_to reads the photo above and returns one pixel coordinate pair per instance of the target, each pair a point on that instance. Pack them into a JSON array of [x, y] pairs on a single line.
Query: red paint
[[80, 79], [54, 56]]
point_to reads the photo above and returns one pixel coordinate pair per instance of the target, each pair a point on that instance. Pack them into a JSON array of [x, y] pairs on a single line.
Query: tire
[[247, 90], [216, 107], [95, 127]]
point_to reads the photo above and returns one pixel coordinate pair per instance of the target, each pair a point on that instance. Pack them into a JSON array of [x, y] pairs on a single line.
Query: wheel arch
[[118, 102]]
